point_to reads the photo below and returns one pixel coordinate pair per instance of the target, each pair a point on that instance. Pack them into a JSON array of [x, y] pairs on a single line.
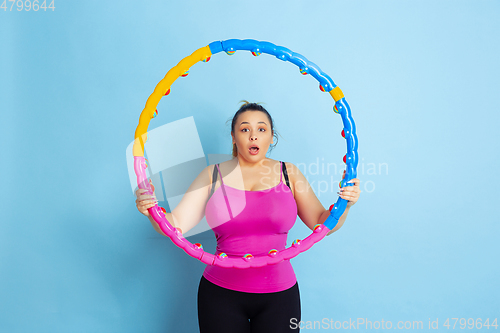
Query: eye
[[263, 129]]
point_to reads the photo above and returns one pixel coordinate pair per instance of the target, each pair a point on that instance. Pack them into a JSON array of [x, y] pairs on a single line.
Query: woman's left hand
[[350, 193]]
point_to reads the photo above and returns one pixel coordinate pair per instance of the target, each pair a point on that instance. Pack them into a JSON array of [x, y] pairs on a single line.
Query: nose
[[253, 138]]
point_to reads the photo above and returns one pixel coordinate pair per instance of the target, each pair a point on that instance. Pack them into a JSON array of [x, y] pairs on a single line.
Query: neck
[[246, 164]]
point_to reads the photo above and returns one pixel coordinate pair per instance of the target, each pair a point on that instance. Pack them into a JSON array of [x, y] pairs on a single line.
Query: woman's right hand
[[145, 201]]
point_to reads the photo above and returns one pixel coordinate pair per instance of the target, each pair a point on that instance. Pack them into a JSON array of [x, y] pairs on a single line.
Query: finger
[[145, 208], [149, 202], [356, 181], [352, 194], [147, 197], [145, 192], [351, 189], [352, 198], [344, 195], [348, 197], [141, 192]]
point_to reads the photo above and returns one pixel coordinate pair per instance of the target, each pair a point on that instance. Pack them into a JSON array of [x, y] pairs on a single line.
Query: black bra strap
[[286, 175], [214, 180]]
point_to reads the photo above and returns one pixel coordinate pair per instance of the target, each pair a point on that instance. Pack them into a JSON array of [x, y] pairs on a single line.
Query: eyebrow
[[246, 122]]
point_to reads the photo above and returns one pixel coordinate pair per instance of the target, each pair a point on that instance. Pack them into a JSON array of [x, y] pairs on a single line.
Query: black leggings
[[224, 310]]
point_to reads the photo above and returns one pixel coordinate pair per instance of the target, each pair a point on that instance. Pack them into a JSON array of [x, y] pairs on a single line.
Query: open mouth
[[253, 150]]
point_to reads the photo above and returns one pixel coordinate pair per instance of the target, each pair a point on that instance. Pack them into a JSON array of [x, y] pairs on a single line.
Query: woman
[[243, 191]]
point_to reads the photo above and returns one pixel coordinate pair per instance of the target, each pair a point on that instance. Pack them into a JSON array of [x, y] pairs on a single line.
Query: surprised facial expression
[[252, 134]]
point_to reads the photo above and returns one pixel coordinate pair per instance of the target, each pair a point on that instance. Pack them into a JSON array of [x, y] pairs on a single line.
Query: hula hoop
[[340, 107]]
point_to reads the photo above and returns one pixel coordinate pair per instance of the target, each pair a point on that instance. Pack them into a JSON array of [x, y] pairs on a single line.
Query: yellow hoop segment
[[337, 94], [160, 90]]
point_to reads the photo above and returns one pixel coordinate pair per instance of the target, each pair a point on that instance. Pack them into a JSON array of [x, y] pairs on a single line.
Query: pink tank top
[[251, 222]]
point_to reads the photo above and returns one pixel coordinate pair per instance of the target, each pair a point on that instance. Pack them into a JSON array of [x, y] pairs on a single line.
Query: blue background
[[421, 79]]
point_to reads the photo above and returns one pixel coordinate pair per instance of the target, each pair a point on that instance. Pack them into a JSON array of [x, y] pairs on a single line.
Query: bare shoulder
[[272, 163], [292, 170], [295, 174], [227, 166], [224, 167]]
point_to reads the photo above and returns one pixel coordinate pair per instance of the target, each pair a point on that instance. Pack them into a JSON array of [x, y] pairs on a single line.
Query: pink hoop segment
[[222, 260]]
